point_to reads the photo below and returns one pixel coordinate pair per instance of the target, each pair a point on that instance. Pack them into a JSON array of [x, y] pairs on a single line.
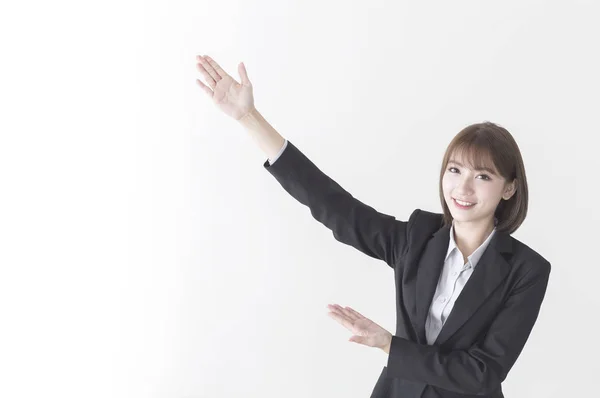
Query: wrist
[[268, 139], [388, 345], [251, 118]]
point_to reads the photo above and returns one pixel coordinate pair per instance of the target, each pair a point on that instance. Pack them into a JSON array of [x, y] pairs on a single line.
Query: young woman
[[453, 338]]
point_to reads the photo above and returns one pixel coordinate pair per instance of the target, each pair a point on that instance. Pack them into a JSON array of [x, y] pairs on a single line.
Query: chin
[[462, 217]]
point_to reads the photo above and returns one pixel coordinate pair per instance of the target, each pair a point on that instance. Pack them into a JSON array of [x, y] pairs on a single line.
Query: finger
[[214, 69], [342, 319], [336, 309], [243, 74], [349, 313], [211, 82], [357, 339], [354, 314], [340, 310], [205, 88]]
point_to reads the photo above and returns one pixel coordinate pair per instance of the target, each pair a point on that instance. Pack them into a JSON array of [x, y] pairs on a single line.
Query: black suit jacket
[[491, 319]]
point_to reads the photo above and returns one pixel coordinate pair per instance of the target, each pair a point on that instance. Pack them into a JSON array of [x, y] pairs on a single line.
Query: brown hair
[[487, 144]]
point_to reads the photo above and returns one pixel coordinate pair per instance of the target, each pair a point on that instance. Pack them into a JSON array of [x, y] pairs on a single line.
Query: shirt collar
[[476, 255]]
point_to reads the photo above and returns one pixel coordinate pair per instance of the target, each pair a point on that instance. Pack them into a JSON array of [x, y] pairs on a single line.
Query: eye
[[485, 176]]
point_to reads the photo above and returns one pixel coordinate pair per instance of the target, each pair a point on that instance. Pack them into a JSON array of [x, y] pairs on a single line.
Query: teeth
[[460, 202]]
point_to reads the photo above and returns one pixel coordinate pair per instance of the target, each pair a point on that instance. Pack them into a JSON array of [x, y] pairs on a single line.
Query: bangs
[[477, 157]]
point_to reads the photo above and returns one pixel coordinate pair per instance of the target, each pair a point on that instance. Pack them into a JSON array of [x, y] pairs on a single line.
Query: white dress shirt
[[271, 161], [453, 278]]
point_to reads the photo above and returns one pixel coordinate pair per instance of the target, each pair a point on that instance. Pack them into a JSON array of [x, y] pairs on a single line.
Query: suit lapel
[[428, 272], [491, 269]]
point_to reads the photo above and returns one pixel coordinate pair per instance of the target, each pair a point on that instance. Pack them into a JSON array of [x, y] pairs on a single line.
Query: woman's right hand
[[233, 98]]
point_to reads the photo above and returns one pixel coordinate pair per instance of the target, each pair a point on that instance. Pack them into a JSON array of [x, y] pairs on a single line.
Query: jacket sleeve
[[353, 223], [480, 369]]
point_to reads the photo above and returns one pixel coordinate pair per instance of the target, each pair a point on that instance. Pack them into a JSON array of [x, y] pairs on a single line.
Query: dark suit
[[491, 319]]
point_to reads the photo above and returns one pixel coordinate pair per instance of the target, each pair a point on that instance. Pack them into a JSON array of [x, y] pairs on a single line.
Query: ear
[[510, 190]]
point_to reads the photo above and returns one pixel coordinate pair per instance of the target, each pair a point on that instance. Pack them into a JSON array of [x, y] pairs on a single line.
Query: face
[[482, 189]]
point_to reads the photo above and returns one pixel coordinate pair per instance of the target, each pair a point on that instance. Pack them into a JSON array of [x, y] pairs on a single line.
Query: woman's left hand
[[365, 330]]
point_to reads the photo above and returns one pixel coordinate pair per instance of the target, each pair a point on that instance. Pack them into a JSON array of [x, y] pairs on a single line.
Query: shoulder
[[528, 259], [422, 225], [425, 220]]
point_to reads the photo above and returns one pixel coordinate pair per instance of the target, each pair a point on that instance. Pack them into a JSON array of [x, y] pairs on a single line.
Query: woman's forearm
[[267, 138]]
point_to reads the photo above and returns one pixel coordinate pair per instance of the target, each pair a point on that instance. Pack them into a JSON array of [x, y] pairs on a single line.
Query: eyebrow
[[481, 169]]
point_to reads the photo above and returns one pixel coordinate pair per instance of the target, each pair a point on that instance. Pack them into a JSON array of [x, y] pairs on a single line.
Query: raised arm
[[351, 221]]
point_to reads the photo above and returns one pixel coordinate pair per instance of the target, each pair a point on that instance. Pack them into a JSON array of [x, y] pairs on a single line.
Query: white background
[[145, 251]]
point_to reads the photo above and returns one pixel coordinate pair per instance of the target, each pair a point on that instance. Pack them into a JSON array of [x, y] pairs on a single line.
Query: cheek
[[447, 190], [447, 186], [490, 193]]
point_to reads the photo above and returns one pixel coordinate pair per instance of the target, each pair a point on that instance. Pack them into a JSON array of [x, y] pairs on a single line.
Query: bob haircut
[[489, 145]]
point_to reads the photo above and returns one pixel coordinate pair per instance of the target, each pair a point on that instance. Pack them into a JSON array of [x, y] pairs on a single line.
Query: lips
[[463, 204]]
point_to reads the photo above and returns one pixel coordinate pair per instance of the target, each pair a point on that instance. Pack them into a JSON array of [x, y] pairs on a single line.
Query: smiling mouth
[[463, 205]]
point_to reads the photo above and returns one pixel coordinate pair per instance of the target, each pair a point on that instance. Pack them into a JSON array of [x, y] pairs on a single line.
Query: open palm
[[233, 98], [365, 330]]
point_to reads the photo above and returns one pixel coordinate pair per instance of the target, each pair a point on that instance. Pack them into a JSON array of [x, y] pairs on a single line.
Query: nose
[[464, 188]]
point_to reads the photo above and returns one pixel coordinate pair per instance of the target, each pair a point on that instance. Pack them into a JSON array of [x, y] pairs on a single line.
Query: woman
[[453, 338]]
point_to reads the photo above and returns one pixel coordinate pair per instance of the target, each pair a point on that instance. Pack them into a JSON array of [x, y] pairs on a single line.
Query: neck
[[470, 235]]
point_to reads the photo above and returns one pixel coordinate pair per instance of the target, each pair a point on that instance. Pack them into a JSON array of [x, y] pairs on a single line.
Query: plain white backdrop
[[146, 252]]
